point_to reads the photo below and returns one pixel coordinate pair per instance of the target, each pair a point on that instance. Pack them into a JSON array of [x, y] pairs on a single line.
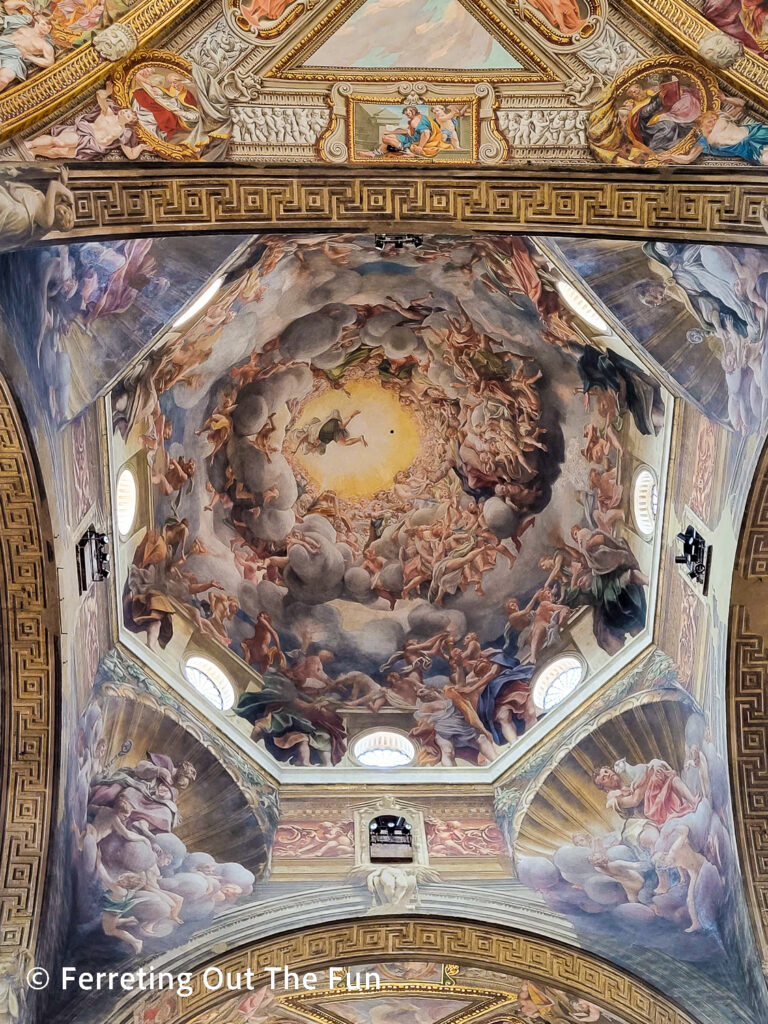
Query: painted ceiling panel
[[120, 293], [393, 487], [411, 34], [392, 1008]]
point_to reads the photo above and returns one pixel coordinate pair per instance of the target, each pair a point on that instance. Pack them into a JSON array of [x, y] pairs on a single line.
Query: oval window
[[384, 749], [210, 681], [126, 495], [645, 502], [556, 681]]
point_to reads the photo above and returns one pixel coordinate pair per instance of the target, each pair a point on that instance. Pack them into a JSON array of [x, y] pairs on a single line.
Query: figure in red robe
[[653, 791], [263, 10]]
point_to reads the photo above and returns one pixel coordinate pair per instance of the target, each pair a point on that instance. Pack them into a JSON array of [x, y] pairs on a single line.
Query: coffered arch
[[576, 975]]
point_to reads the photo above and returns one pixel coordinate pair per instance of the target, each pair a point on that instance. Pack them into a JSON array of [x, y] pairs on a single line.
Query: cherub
[[263, 649], [219, 423], [119, 897], [178, 473], [596, 448], [448, 119], [548, 616], [260, 441], [216, 497], [107, 821], [250, 566]]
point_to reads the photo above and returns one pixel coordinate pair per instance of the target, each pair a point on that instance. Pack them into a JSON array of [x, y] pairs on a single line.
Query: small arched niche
[[390, 839]]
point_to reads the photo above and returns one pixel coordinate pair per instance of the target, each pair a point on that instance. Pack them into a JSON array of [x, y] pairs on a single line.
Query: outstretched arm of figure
[[275, 638], [682, 158], [200, 588], [733, 104], [46, 211], [482, 680], [407, 311], [438, 640], [101, 98]]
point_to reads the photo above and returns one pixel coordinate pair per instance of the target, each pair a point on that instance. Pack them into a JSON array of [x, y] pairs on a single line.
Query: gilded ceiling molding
[[747, 702], [120, 201], [28, 613], [748, 73], [76, 72], [413, 938]]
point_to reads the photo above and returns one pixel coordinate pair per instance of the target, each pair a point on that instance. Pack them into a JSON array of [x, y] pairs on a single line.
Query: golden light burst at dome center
[[392, 433]]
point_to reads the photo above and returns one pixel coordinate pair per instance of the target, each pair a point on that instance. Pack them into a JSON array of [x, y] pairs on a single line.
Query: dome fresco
[[394, 485]]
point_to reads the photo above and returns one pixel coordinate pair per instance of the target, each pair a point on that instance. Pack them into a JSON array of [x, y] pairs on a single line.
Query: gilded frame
[[290, 66], [473, 100], [688, 28], [601, 129], [485, 1000], [81, 69], [272, 30], [123, 80], [597, 12]]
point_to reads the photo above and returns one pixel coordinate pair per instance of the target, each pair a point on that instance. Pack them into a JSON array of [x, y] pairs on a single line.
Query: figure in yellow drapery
[[447, 118], [643, 124], [420, 136], [533, 1002]]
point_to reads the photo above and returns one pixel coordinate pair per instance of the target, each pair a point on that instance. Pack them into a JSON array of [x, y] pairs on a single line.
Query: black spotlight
[[696, 556], [398, 242], [93, 559]]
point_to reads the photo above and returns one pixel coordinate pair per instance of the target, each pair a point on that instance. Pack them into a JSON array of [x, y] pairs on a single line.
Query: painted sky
[[412, 34]]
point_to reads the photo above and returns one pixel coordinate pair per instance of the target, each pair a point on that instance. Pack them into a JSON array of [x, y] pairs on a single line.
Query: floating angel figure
[[316, 435]]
